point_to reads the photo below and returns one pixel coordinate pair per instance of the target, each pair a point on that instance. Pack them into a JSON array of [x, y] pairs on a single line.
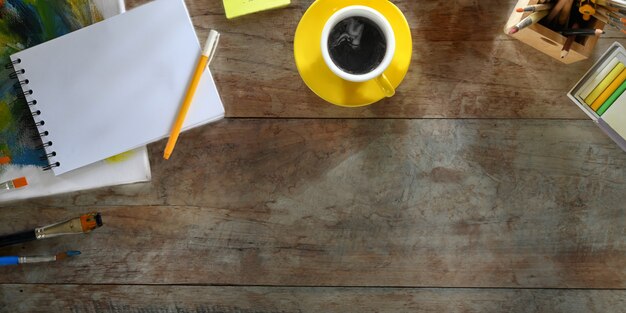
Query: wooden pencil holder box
[[548, 41]]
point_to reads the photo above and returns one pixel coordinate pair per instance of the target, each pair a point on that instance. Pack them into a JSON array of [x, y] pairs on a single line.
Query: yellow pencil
[[205, 59], [609, 91]]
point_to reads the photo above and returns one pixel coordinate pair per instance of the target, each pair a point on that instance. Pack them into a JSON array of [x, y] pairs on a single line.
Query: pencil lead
[[513, 30]]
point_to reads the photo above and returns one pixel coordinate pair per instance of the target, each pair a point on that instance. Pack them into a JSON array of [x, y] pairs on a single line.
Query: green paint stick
[[612, 99]]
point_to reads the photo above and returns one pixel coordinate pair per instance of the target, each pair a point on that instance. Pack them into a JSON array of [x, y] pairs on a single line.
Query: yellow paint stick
[[609, 91], [591, 84], [604, 83]]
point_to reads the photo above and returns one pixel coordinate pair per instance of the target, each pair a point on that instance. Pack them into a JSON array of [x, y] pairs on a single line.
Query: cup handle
[[385, 86]]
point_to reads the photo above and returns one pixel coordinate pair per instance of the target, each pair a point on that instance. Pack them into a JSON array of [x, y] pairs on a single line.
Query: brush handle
[[9, 260], [17, 238]]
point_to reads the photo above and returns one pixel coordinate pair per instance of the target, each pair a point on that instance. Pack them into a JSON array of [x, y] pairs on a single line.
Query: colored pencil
[[568, 42]]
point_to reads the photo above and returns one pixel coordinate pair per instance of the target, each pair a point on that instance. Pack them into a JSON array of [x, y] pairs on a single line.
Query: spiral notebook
[[115, 85], [16, 142]]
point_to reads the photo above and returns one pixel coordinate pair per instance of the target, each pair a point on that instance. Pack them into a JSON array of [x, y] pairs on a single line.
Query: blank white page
[[118, 84]]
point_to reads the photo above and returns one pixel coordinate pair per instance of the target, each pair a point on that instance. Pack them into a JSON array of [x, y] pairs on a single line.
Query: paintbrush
[[581, 32], [14, 184], [534, 8], [529, 20], [15, 260], [80, 225]]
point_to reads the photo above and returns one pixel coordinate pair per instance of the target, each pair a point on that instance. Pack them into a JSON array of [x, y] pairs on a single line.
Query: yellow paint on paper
[[605, 83], [121, 157], [235, 8]]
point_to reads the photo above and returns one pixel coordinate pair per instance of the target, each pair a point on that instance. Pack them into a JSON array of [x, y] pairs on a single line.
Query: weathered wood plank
[[467, 203], [461, 68], [206, 299]]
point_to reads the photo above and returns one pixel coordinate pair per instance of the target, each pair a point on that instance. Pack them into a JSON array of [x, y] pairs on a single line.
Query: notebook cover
[[116, 85], [127, 168]]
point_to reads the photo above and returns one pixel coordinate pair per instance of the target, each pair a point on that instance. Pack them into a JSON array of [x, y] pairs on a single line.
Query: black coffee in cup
[[357, 45]]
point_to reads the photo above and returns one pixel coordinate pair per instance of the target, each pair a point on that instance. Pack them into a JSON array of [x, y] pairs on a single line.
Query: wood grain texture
[[464, 203], [315, 206], [460, 68], [206, 299]]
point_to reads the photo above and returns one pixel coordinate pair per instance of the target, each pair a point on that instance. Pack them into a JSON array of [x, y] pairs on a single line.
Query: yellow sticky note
[[604, 83], [235, 8]]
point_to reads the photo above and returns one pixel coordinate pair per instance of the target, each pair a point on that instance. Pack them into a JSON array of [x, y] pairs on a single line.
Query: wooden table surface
[[479, 187]]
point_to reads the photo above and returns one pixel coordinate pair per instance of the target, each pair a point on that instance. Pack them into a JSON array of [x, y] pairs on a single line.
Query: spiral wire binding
[[23, 93], [11, 64]]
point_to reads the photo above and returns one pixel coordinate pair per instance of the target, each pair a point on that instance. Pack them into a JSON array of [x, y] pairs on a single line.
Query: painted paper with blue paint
[[23, 24]]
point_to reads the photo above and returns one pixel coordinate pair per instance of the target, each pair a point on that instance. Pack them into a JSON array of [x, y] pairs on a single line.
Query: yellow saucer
[[318, 76]]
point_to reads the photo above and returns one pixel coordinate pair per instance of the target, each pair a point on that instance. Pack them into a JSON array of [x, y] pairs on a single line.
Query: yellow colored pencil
[[609, 91], [604, 83], [207, 54]]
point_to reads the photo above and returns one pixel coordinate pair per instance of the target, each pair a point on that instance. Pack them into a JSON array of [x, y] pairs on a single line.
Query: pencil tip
[[519, 10], [513, 30]]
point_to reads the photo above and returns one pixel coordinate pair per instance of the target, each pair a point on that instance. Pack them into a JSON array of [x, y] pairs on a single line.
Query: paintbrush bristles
[[90, 221], [66, 254]]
